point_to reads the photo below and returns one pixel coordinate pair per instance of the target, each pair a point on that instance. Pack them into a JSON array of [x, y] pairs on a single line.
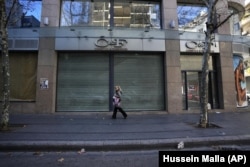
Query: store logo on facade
[[196, 45], [116, 42]]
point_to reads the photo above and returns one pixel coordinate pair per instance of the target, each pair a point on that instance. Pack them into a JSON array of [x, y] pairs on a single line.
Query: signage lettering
[[196, 45], [116, 42]]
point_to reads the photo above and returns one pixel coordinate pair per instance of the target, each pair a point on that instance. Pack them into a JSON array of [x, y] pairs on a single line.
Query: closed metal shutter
[[141, 78], [83, 82]]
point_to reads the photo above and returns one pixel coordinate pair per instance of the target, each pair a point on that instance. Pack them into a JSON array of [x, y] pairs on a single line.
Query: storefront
[[86, 78], [191, 65], [84, 48]]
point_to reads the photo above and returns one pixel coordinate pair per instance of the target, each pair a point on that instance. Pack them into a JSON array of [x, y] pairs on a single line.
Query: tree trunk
[[5, 66], [204, 82], [205, 66]]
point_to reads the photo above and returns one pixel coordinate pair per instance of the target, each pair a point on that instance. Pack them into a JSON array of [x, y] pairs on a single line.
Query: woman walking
[[117, 103]]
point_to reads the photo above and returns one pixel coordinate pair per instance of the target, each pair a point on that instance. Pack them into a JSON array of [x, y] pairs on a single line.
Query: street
[[68, 140], [76, 159], [145, 158]]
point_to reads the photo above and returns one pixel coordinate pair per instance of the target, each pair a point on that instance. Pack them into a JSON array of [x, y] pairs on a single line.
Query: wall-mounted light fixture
[[46, 21], [172, 24], [147, 29]]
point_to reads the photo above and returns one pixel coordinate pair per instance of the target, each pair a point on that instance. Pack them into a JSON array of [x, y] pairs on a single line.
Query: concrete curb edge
[[122, 145]]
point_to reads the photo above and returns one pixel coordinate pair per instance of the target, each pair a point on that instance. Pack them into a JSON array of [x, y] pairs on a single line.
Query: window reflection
[[234, 22], [25, 13], [192, 18], [104, 13]]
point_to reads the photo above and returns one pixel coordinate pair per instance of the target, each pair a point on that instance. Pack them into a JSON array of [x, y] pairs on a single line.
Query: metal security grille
[[85, 81], [141, 78]]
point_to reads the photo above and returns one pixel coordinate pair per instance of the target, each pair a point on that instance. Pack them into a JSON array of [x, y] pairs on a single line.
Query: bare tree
[[5, 65], [11, 12], [213, 23]]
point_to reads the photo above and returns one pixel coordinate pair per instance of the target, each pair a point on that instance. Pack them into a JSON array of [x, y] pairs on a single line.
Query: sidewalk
[[98, 132]]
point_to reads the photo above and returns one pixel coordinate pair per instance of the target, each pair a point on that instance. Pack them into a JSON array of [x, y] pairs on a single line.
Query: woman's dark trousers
[[121, 110]]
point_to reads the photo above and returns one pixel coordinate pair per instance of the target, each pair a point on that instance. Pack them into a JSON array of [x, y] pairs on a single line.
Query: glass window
[[25, 13], [84, 13], [234, 23], [194, 62], [192, 18], [108, 13], [137, 14], [191, 78], [193, 89]]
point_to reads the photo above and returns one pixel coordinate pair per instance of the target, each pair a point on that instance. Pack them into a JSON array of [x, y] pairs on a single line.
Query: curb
[[122, 145]]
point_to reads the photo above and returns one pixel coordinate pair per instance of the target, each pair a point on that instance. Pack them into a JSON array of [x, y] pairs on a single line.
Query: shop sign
[[198, 46], [115, 43]]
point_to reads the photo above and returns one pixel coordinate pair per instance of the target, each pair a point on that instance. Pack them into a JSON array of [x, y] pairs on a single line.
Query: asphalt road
[[76, 159], [145, 158]]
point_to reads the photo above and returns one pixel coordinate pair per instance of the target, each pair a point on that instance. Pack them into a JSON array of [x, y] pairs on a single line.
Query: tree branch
[[10, 12], [214, 4], [206, 3], [221, 23], [225, 20]]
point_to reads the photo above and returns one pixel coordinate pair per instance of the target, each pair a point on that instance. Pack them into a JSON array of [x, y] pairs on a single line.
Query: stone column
[[169, 14], [227, 76], [47, 57], [226, 64], [172, 57], [173, 77]]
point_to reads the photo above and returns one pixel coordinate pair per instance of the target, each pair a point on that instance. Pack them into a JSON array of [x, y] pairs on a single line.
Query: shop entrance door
[[191, 90]]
